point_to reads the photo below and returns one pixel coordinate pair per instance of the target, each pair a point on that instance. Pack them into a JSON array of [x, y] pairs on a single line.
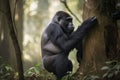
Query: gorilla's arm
[[68, 44], [79, 54], [59, 38]]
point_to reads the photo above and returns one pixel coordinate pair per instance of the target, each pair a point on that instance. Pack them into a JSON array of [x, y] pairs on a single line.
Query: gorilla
[[59, 38]]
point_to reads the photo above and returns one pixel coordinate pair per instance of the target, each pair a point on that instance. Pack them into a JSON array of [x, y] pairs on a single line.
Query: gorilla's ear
[[56, 19]]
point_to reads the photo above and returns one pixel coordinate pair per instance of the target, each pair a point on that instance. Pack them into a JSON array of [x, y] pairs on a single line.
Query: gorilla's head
[[65, 21]]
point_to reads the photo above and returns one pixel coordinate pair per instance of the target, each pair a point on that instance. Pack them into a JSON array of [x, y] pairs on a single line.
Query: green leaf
[[105, 75], [110, 62], [94, 77], [116, 72], [118, 67], [36, 71], [105, 68], [110, 75], [37, 65], [8, 68]]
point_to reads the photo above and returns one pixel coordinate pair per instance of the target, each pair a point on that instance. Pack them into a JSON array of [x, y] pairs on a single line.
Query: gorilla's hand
[[86, 26], [90, 22]]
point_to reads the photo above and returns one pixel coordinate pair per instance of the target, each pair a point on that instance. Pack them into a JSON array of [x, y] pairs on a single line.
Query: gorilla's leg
[[62, 65], [48, 62]]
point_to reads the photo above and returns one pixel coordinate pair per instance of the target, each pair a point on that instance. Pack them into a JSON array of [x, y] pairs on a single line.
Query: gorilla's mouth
[[68, 32]]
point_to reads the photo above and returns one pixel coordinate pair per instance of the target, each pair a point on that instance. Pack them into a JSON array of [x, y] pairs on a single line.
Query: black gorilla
[[59, 39]]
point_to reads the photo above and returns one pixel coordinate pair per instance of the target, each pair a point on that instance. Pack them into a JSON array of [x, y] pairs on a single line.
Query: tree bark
[[101, 43], [4, 37]]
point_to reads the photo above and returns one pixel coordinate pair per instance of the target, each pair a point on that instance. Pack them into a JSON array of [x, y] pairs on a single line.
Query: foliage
[[33, 71], [68, 77], [38, 73], [91, 77], [6, 71], [112, 70]]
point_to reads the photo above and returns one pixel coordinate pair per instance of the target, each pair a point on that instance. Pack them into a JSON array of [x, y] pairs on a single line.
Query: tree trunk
[[4, 37], [101, 43], [14, 36], [6, 46]]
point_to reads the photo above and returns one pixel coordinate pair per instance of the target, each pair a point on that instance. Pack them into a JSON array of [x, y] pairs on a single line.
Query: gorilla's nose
[[71, 28]]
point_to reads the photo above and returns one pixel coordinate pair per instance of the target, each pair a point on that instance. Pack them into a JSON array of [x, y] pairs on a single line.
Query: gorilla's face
[[64, 20], [66, 25]]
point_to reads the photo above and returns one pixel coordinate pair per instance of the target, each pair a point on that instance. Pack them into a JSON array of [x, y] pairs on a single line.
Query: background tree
[[7, 10], [6, 46]]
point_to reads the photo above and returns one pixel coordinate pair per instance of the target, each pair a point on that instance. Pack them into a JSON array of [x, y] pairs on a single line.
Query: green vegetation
[[6, 71], [37, 72], [112, 70]]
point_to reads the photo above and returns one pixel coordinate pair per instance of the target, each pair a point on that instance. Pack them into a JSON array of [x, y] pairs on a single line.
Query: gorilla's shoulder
[[54, 26]]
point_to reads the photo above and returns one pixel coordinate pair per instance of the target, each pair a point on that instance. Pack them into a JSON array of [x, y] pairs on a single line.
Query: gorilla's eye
[[69, 19], [66, 23]]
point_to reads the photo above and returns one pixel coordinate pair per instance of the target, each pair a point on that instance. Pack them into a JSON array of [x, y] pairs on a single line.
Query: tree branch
[[65, 3]]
